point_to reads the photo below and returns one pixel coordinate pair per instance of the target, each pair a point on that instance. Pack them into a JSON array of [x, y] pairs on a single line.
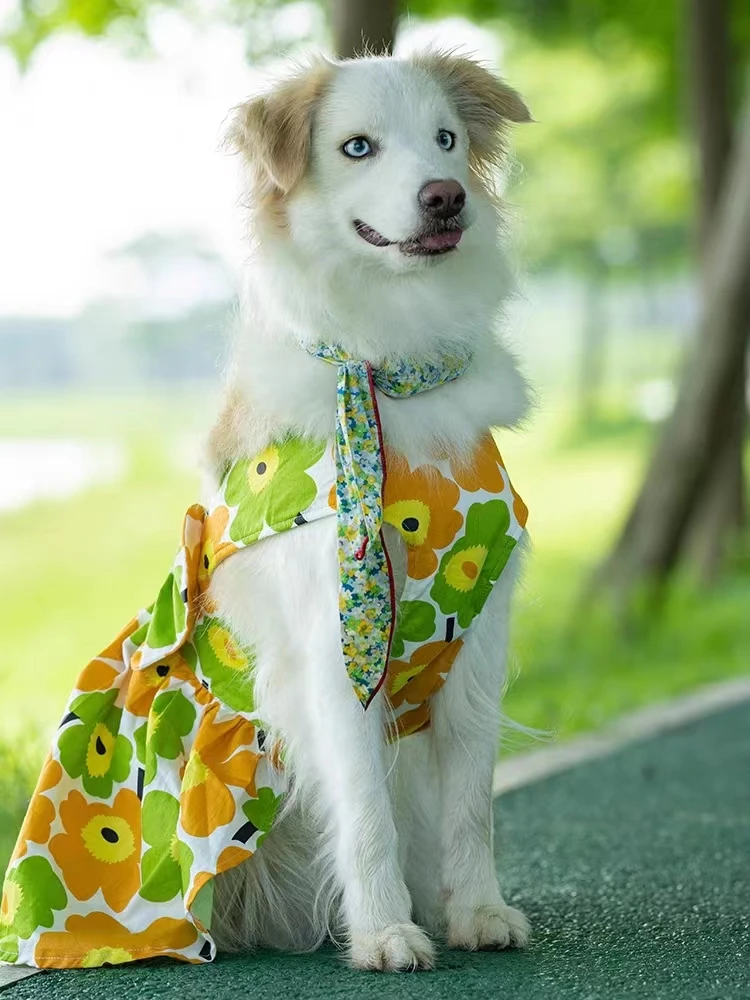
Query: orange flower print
[[215, 762], [201, 879], [230, 857], [420, 504], [101, 847], [99, 675], [520, 509], [410, 722], [486, 471], [416, 681], [144, 685], [114, 650], [192, 531], [96, 938], [213, 550], [38, 822], [483, 471]]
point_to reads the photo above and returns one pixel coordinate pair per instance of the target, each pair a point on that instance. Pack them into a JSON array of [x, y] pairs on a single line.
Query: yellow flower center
[[226, 650], [262, 469], [463, 569], [12, 896], [108, 839], [402, 678], [206, 564], [98, 956], [411, 518], [174, 848], [196, 772], [100, 749]]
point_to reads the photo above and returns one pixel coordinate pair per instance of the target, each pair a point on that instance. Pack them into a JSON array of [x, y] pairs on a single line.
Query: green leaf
[[227, 664], [261, 811], [39, 892], [163, 869], [486, 528], [159, 818], [169, 615], [416, 623], [171, 719]]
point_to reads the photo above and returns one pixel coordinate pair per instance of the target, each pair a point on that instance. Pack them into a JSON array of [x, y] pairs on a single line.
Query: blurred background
[[121, 244]]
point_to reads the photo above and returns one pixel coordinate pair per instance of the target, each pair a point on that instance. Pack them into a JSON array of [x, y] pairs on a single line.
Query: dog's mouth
[[430, 242]]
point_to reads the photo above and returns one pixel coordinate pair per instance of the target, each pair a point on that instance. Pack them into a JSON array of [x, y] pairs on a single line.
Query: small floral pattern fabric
[[365, 596], [161, 775]]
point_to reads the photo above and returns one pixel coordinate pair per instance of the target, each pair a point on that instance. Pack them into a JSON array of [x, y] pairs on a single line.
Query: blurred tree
[[685, 457], [33, 21], [720, 511], [356, 24], [364, 24], [693, 496], [605, 188]]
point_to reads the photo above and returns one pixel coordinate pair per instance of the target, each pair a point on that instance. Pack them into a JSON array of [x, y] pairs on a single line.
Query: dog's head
[[386, 159]]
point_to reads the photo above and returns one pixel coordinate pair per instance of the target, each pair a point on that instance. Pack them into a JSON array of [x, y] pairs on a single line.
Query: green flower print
[[8, 945], [168, 613], [415, 623], [471, 566], [169, 722], [261, 811], [92, 750], [272, 488], [31, 893], [165, 868], [226, 664]]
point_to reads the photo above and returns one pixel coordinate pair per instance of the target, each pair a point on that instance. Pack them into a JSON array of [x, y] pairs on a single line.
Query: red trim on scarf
[[391, 587]]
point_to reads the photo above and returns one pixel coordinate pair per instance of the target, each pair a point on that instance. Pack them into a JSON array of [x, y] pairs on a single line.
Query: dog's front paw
[[492, 926], [397, 948]]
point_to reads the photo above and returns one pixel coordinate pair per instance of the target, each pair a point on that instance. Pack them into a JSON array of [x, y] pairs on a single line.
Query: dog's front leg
[[466, 725], [282, 597], [342, 760], [352, 776]]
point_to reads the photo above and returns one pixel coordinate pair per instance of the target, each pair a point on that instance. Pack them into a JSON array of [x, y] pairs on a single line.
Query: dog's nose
[[442, 199]]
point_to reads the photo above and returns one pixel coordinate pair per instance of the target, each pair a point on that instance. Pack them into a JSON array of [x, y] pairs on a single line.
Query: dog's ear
[[273, 132], [485, 103]]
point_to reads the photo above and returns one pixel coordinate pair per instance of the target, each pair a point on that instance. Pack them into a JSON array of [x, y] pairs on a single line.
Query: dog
[[375, 226]]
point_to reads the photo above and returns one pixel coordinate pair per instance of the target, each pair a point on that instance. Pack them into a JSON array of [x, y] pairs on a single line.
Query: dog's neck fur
[[290, 302]]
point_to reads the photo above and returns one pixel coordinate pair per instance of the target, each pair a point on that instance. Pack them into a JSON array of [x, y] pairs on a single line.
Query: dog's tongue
[[441, 241]]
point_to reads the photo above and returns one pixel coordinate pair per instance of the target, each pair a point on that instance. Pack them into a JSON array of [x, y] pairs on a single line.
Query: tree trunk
[[682, 462], [720, 512], [708, 82], [360, 25]]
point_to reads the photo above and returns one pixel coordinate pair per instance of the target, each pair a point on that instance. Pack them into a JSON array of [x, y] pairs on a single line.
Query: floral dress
[[161, 775]]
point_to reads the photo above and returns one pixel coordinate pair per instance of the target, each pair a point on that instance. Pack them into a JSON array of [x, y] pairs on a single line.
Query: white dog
[[375, 229]]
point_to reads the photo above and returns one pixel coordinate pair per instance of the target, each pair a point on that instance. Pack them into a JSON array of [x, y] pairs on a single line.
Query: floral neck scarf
[[366, 599]]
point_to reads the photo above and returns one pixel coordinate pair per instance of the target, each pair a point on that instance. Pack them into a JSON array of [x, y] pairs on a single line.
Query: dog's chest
[[407, 597]]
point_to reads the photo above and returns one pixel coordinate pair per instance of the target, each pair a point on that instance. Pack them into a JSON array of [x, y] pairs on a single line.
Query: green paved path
[[635, 872]]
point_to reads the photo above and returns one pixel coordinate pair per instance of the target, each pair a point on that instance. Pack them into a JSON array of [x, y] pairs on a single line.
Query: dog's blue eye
[[446, 139], [357, 147]]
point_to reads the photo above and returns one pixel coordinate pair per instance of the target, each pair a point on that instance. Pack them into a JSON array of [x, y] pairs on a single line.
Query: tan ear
[[485, 103], [273, 132]]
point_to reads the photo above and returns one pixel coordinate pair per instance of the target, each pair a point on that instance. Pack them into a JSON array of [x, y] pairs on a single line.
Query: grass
[[76, 570]]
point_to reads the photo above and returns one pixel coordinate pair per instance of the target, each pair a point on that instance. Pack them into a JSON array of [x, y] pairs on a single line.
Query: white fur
[[373, 837]]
